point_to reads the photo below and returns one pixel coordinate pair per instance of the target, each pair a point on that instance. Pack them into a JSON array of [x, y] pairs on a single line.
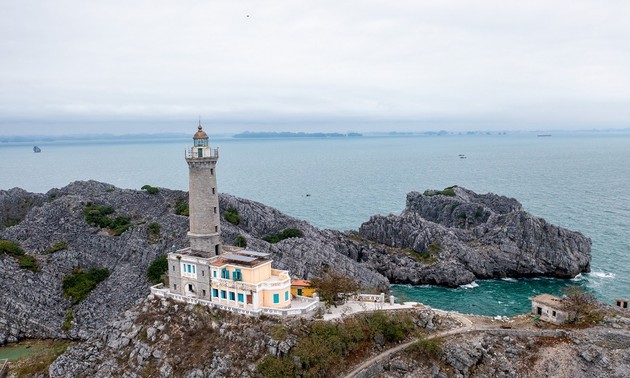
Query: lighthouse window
[[213, 190], [216, 228], [212, 171], [215, 210]]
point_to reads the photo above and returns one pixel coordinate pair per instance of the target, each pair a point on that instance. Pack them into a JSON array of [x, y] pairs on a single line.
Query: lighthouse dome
[[200, 134]]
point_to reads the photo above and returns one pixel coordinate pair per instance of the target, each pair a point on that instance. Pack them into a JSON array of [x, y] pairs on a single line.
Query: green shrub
[[58, 246], [272, 367], [157, 269], [153, 229], [231, 215], [393, 328], [449, 191], [240, 241], [150, 189], [28, 262], [10, 222], [284, 234], [98, 215], [67, 323], [79, 283], [181, 207], [427, 348], [12, 249]]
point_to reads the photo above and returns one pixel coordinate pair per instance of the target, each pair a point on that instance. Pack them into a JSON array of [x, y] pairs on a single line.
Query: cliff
[[447, 240], [455, 236], [33, 302]]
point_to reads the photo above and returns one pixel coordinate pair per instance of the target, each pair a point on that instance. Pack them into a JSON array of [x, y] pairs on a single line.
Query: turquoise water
[[578, 181]]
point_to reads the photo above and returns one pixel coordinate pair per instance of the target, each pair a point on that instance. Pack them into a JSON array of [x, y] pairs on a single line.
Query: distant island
[[288, 134]]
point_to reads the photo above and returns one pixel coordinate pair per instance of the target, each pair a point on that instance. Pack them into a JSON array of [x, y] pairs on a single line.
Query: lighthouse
[[203, 197]]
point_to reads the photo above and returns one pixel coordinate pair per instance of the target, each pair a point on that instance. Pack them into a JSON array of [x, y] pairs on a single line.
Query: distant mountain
[[288, 134]]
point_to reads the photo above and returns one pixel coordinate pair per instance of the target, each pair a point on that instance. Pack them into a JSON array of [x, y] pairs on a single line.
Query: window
[[241, 298], [223, 294], [539, 310], [214, 191], [203, 273], [237, 276], [225, 273], [553, 313], [215, 293], [232, 296], [173, 268], [216, 228], [276, 298], [286, 296], [211, 171], [214, 273], [190, 288], [189, 269], [215, 210], [299, 291], [204, 293], [174, 286], [216, 249]]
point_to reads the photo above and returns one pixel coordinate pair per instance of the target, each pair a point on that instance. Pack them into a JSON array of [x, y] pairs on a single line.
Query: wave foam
[[602, 274], [509, 279], [471, 285]]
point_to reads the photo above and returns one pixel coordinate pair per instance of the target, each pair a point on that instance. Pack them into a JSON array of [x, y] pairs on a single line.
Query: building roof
[[549, 300], [200, 134], [304, 283]]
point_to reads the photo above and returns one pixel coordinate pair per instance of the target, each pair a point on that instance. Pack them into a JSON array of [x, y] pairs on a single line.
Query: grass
[[58, 246], [80, 283], [98, 215], [426, 348], [240, 241], [324, 349], [428, 256], [67, 323], [448, 191], [153, 231], [24, 261], [33, 357], [181, 207], [231, 215], [284, 234]]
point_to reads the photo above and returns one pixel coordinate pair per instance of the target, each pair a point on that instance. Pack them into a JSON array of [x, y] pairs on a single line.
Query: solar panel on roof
[[253, 253], [231, 256]]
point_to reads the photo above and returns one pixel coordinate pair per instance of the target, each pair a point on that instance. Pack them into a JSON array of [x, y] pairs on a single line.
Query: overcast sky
[[155, 66]]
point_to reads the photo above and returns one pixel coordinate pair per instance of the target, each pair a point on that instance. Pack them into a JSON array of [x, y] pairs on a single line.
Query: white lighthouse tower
[[203, 197]]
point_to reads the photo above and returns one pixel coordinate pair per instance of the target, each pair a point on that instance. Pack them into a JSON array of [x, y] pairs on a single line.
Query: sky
[[138, 66]]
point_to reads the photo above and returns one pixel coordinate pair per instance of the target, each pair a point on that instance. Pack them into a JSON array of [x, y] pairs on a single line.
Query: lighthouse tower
[[203, 197]]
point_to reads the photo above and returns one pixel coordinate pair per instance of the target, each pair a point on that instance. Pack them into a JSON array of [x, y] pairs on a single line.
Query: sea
[[578, 180]]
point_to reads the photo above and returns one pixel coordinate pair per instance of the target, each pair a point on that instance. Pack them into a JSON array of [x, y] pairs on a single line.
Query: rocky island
[[449, 237]]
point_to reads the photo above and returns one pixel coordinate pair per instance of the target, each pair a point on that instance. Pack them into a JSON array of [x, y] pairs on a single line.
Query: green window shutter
[[276, 298]]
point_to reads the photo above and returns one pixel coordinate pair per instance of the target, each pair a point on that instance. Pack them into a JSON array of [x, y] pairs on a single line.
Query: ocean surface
[[580, 181]]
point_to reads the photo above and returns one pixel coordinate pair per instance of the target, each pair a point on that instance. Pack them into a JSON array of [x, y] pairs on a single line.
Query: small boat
[[462, 156], [544, 135], [37, 149]]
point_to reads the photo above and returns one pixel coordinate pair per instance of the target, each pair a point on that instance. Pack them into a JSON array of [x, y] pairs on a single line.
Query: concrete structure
[[621, 303], [551, 309], [302, 288], [209, 273]]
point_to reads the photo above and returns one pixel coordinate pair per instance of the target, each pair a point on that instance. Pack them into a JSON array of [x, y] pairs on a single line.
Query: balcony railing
[[193, 153]]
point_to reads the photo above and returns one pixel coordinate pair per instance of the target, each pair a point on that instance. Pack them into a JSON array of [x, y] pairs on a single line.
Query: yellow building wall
[[306, 291], [256, 274], [267, 296]]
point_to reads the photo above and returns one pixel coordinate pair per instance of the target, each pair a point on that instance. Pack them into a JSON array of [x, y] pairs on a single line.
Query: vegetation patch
[[231, 215], [181, 207], [25, 261], [324, 349], [10, 222], [333, 286], [153, 230], [284, 234], [449, 192], [67, 323], [58, 246], [80, 283], [240, 241], [426, 348], [157, 270], [98, 215], [35, 363], [150, 189], [428, 256]]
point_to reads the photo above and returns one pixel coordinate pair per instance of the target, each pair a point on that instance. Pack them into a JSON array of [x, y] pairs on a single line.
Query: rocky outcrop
[[15, 204], [455, 239], [33, 302]]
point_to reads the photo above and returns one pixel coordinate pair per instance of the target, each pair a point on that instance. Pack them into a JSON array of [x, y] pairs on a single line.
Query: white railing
[[309, 304], [369, 298]]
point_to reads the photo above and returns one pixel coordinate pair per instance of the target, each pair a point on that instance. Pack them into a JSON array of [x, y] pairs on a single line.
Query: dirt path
[[466, 326]]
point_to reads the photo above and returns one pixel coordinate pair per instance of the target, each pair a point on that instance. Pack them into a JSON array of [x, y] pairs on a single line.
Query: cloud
[[527, 63]]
